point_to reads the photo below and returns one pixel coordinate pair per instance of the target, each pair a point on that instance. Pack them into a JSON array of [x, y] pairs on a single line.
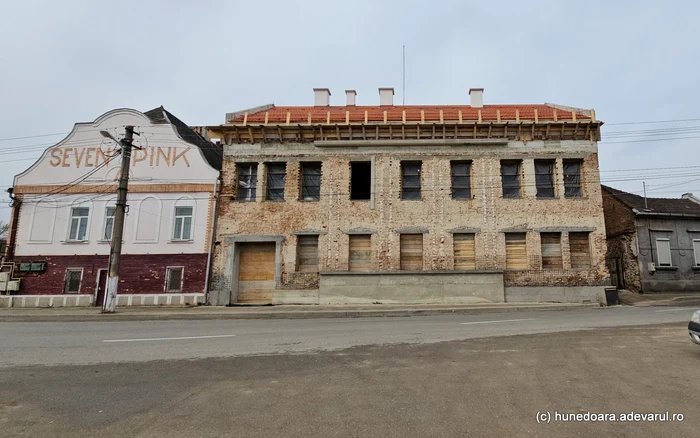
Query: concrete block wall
[[436, 215]]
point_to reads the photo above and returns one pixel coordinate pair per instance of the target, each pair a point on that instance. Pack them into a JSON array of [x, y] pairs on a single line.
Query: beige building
[[409, 204]]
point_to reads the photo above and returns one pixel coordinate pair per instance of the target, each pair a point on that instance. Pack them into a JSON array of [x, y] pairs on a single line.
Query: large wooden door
[[256, 273]]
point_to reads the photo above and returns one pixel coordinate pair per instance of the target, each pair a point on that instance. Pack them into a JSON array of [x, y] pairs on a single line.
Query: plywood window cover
[[360, 253], [464, 251], [580, 250], [411, 252], [307, 253], [516, 251], [551, 251]]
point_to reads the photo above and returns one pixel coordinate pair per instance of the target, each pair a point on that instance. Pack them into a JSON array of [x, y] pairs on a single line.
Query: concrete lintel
[[360, 230], [230, 240], [368, 273], [309, 232], [565, 229], [405, 143], [412, 230], [464, 230], [515, 230]]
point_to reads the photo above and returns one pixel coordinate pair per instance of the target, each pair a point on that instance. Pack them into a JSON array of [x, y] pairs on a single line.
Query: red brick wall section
[[619, 218], [138, 274]]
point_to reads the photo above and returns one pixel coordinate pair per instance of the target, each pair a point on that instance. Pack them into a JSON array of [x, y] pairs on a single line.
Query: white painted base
[[88, 300]]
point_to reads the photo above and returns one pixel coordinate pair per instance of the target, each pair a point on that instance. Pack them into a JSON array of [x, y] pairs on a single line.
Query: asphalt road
[[55, 343], [483, 382]]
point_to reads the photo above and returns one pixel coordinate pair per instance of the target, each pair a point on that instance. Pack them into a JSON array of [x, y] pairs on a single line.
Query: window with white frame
[[696, 251], [72, 280], [663, 252], [173, 278], [78, 223], [184, 219], [109, 223]]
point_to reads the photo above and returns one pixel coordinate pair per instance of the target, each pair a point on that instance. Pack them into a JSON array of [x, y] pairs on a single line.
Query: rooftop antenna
[[404, 75], [644, 184]]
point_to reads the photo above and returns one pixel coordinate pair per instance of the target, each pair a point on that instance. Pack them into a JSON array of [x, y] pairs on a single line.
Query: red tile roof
[[300, 114]]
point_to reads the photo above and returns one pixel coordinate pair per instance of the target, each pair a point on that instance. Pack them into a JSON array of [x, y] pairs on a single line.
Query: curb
[[320, 314]]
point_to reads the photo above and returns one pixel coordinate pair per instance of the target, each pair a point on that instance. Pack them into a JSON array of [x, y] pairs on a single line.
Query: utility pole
[[110, 304]]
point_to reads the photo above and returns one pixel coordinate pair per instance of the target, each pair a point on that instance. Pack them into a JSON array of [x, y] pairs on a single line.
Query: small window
[[696, 251], [516, 251], [109, 223], [464, 251], [73, 278], [276, 177], [173, 279], [78, 223], [572, 179], [411, 180], [310, 181], [247, 181], [544, 178], [307, 253], [580, 251], [360, 180], [360, 252], [461, 179], [663, 252], [551, 251], [510, 178], [411, 252], [183, 223]]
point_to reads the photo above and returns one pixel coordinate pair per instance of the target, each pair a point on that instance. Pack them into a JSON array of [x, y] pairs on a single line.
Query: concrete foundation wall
[[411, 287], [557, 294]]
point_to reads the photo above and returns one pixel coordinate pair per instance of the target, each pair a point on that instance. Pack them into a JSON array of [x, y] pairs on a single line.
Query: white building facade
[[64, 213]]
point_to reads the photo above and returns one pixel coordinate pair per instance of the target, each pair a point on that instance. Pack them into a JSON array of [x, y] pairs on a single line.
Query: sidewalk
[[660, 299], [267, 312]]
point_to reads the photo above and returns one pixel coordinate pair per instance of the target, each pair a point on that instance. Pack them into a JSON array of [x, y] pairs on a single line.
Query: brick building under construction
[[408, 204]]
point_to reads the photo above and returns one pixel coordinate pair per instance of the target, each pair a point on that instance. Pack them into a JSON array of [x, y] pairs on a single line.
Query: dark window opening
[[310, 181], [510, 178], [572, 179], [247, 181], [173, 279], [461, 179], [410, 180], [73, 277], [276, 177], [360, 180], [544, 178]]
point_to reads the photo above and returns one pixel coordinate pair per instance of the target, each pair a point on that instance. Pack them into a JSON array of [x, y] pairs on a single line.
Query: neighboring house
[[65, 205], [653, 243], [409, 204]]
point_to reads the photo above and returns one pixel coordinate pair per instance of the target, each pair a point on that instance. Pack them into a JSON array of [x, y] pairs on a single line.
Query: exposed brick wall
[[335, 214], [138, 274], [619, 218]]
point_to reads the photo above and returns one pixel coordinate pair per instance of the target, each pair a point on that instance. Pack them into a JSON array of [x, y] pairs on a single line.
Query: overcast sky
[[70, 61]]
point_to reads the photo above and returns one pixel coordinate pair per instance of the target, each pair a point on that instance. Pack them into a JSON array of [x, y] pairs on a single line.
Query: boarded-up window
[[572, 179], [461, 179], [411, 252], [544, 178], [510, 178], [696, 251], [276, 177], [580, 251], [310, 181], [73, 277], [663, 252], [410, 180], [465, 255], [360, 252], [551, 251], [173, 279], [516, 251], [307, 253], [247, 181]]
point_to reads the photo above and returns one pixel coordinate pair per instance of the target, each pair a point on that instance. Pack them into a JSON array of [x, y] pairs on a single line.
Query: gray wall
[[682, 276], [426, 287], [555, 294]]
